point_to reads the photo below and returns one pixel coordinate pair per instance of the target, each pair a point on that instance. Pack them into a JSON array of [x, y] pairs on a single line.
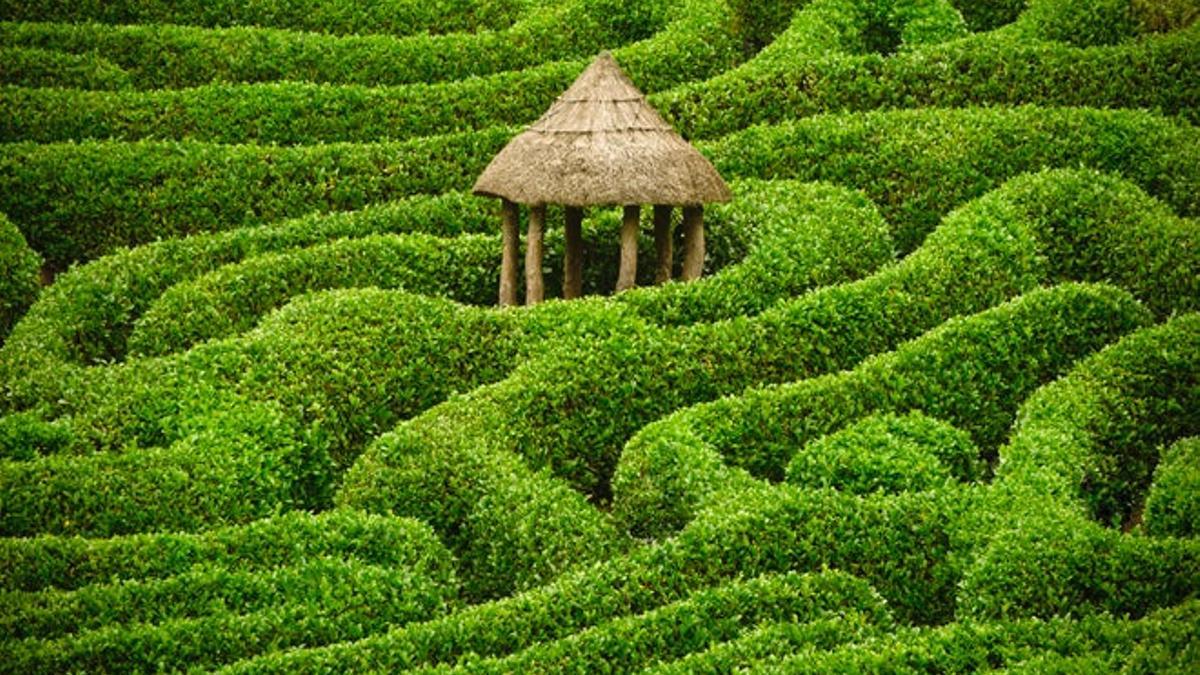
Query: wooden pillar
[[508, 259], [535, 290], [662, 243], [573, 261], [693, 242], [627, 275]]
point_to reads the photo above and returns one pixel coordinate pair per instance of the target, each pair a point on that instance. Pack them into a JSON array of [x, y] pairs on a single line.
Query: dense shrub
[[1172, 507], [973, 372], [20, 284], [326, 603], [1162, 642], [28, 67], [889, 453], [1080, 22], [231, 299], [46, 561], [983, 15], [703, 618], [397, 17], [207, 591]]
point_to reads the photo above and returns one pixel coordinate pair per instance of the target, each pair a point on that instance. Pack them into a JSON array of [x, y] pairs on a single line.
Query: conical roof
[[600, 143]]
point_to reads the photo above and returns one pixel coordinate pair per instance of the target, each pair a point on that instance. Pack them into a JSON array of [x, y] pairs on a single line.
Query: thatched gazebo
[[599, 144]]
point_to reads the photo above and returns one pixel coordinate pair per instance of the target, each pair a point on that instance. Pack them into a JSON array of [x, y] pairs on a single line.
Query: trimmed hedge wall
[[983, 15], [233, 298], [889, 453], [397, 17], [20, 285], [343, 601], [29, 67], [211, 591], [667, 41], [47, 561], [692, 624], [1173, 501]]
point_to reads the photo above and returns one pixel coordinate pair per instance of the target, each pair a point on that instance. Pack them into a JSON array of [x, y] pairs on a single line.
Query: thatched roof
[[600, 143]]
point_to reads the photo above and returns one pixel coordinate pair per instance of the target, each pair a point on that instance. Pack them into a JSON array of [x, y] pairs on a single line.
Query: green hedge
[[665, 42], [1172, 508], [29, 67], [1162, 642], [899, 544], [246, 463], [47, 561], [209, 591], [1083, 23], [89, 312], [397, 17], [983, 15], [986, 70], [21, 282], [323, 603], [233, 298], [93, 197], [692, 624], [890, 453], [973, 372], [924, 162]]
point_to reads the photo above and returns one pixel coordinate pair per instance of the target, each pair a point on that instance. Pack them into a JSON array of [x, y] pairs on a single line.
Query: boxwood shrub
[[21, 282], [1171, 503], [55, 562], [890, 453], [31, 67]]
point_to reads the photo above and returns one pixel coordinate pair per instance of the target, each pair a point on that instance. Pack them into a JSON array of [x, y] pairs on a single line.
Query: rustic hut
[[599, 144]]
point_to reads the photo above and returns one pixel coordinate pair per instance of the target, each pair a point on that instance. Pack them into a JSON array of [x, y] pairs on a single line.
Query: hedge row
[[983, 70], [692, 624], [890, 453], [209, 591], [30, 67], [21, 283], [897, 543], [326, 603], [1101, 22], [1172, 508], [396, 17], [1161, 643], [972, 372], [983, 15], [46, 561], [225, 467], [771, 640], [1083, 452], [666, 42], [94, 197], [923, 162], [231, 299], [87, 315]]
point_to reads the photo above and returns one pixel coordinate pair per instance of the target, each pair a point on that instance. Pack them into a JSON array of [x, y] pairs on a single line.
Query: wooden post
[[535, 289], [693, 242], [511, 249], [573, 261], [627, 275], [662, 243]]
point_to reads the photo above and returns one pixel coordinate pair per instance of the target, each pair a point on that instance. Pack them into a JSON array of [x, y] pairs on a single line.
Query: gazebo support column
[[573, 261], [693, 242], [535, 289], [508, 258], [662, 243], [627, 275]]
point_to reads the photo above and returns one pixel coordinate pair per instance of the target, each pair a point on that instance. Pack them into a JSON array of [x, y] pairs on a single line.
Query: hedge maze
[[934, 405]]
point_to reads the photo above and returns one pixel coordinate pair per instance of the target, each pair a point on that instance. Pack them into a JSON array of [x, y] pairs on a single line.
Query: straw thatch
[[600, 143]]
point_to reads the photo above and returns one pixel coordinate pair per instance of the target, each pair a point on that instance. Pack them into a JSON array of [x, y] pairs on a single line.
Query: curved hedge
[[890, 453], [232, 298], [21, 282], [30, 67], [398, 17], [54, 562], [1171, 503]]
